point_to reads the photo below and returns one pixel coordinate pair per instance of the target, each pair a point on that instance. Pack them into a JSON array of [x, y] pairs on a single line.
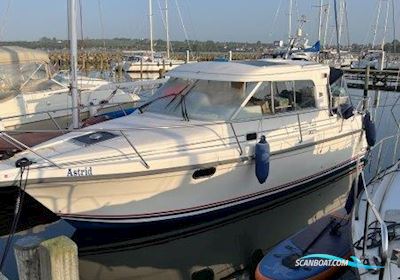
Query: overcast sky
[[220, 20]]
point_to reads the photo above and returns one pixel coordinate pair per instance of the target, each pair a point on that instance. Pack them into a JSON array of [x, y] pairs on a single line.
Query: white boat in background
[[143, 62], [376, 222], [30, 98], [150, 61], [375, 59], [188, 154]]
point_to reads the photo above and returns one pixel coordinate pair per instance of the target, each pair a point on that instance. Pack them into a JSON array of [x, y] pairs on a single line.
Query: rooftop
[[244, 71]]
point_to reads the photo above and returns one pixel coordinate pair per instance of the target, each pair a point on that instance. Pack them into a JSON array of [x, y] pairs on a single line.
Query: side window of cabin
[[284, 99], [305, 94], [259, 104], [279, 97]]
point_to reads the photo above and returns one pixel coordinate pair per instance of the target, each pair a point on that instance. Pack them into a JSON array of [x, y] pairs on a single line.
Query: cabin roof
[[245, 70], [14, 55]]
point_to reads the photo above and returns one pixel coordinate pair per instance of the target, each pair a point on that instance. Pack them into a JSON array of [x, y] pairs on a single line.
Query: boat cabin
[[24, 70], [245, 90]]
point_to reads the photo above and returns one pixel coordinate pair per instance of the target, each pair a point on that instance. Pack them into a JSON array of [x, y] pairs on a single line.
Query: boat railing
[[382, 156], [295, 127], [383, 228], [376, 169]]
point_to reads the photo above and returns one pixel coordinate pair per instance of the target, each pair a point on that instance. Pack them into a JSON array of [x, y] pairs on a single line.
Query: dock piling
[[27, 257], [187, 56], [53, 259]]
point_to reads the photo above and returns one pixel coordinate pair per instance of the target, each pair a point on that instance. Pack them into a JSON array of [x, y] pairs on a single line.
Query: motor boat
[[376, 223], [32, 98], [216, 138]]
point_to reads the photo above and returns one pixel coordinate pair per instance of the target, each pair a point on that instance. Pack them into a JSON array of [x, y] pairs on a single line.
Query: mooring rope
[[23, 164]]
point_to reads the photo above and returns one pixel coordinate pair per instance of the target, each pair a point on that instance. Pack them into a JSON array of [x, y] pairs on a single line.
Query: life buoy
[[262, 153], [370, 131]]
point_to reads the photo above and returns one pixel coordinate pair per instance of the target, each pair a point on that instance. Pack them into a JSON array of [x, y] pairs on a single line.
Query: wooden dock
[[385, 80]]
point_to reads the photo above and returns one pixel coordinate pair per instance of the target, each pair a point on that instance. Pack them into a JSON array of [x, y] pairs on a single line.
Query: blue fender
[[262, 153], [370, 130]]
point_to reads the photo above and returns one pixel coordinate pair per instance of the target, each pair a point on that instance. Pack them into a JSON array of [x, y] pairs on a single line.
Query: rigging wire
[[347, 25], [164, 22], [183, 25], [5, 18], [100, 9], [81, 22], [275, 18], [189, 16], [370, 32]]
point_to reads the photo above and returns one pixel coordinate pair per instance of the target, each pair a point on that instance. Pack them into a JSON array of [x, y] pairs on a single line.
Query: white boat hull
[[150, 66], [175, 194]]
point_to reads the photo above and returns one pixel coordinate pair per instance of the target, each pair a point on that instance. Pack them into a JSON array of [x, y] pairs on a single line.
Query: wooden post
[[366, 86], [119, 68], [101, 63], [53, 259], [84, 69], [141, 68], [59, 259], [27, 256], [161, 73], [187, 56]]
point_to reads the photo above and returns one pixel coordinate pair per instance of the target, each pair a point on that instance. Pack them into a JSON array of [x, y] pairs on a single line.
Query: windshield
[[26, 77], [199, 99], [340, 94]]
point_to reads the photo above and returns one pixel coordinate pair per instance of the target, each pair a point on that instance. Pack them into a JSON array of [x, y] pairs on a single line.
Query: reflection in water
[[225, 247]]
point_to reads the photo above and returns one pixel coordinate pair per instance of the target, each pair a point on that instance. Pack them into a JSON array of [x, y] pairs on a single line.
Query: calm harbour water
[[225, 246]]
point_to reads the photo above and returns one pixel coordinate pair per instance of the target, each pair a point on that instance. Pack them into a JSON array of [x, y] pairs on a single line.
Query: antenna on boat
[[151, 29], [72, 34]]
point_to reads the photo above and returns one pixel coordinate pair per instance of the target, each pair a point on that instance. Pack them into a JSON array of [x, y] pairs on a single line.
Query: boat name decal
[[79, 172]]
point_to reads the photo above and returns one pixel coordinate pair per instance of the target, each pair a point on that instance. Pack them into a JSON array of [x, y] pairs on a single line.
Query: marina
[[166, 158]]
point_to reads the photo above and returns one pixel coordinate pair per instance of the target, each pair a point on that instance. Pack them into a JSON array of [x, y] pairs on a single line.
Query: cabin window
[[305, 94], [259, 104], [284, 100], [279, 97]]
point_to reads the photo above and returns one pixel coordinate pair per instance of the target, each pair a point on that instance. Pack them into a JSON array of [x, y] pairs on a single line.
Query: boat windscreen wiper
[[182, 102], [140, 108]]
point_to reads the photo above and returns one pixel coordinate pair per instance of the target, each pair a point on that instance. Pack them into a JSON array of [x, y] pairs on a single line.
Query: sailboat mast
[[394, 26], [326, 23], [337, 29], [167, 29], [72, 34], [320, 20], [290, 19], [151, 29]]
